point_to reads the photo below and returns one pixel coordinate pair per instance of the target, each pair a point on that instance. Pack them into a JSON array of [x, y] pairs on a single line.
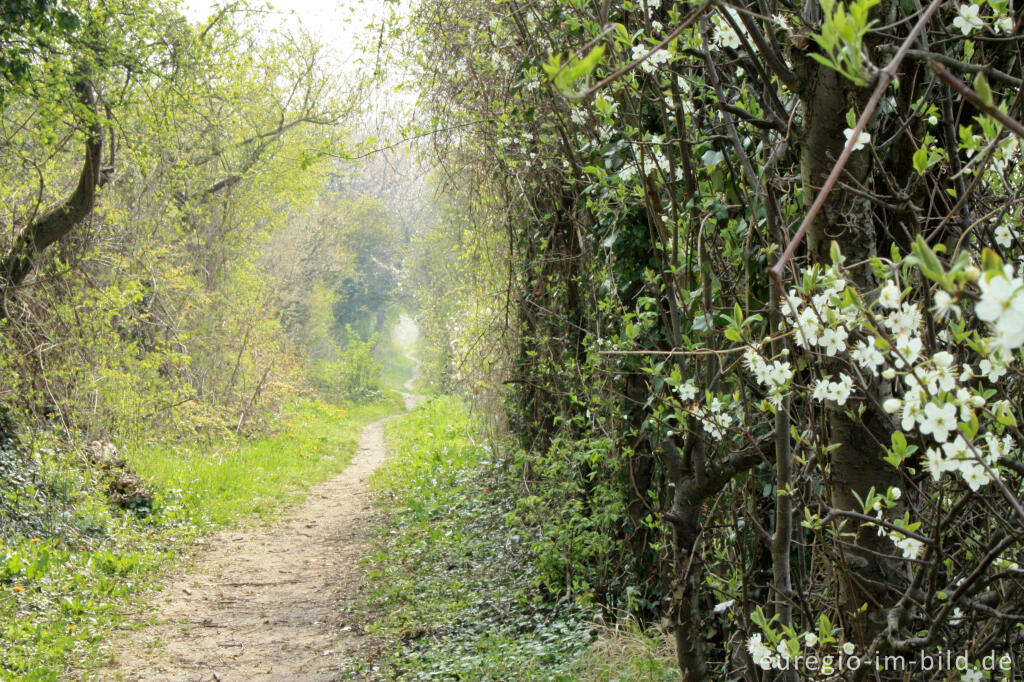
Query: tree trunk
[[60, 220], [857, 464]]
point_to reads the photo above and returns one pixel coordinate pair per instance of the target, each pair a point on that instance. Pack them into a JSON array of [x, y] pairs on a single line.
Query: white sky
[[341, 24]]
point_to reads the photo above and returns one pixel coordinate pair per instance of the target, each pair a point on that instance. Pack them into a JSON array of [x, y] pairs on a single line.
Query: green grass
[[453, 593], [235, 479], [71, 566]]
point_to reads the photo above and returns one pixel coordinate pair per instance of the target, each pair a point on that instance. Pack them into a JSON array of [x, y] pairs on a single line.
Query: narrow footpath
[[272, 602]]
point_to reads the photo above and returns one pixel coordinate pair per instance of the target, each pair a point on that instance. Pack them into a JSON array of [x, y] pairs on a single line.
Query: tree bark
[[61, 219], [857, 464]]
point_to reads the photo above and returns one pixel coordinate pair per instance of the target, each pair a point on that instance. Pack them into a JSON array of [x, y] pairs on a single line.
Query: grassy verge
[[70, 564], [626, 653], [238, 479], [454, 594]]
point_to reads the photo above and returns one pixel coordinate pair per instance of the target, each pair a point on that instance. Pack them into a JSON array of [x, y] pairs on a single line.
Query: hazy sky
[[340, 23]]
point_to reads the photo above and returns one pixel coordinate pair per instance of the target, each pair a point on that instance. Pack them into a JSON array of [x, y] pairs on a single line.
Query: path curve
[[269, 603]]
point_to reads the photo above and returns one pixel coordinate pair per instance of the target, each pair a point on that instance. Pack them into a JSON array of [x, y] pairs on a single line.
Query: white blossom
[[862, 139], [967, 19], [938, 420], [1004, 236], [889, 296]]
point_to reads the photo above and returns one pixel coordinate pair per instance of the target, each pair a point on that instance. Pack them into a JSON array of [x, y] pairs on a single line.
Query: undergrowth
[[455, 592], [72, 566]]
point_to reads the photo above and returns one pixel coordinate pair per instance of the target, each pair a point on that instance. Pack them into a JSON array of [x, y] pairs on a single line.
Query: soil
[[271, 602]]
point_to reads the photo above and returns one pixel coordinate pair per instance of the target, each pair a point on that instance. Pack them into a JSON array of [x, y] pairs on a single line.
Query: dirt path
[[268, 603]]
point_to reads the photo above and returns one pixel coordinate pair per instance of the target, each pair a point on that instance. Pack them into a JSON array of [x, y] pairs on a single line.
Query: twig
[[967, 93], [619, 73], [885, 77]]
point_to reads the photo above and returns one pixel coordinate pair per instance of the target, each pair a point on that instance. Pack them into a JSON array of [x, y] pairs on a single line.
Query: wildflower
[[956, 450], [687, 391], [1005, 25], [909, 349], [820, 392], [974, 476], [758, 650], [971, 676], [942, 378], [833, 340], [810, 640], [993, 371], [848, 648], [911, 413], [1004, 236], [910, 547], [725, 34], [943, 305], [780, 373], [906, 320], [724, 606], [867, 356], [836, 391], [651, 64], [934, 463], [1002, 304]]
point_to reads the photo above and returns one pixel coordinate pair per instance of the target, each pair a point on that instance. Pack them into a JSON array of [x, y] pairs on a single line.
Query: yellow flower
[[35, 540]]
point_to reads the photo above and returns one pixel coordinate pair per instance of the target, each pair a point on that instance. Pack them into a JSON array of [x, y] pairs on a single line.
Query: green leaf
[[928, 262], [990, 261], [982, 88], [921, 160]]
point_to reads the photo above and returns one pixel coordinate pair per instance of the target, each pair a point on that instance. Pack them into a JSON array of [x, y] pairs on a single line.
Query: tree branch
[[61, 219]]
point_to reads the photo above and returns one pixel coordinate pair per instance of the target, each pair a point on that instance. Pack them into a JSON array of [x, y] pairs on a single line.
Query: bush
[[354, 376]]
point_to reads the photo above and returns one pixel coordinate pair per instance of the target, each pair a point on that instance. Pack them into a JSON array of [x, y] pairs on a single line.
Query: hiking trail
[[268, 602]]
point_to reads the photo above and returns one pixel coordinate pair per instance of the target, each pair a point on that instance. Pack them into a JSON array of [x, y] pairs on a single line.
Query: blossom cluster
[[776, 375], [968, 20], [788, 648], [935, 394]]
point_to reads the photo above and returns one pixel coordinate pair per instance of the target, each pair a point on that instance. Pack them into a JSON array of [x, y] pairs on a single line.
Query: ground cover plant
[[74, 566], [454, 594]]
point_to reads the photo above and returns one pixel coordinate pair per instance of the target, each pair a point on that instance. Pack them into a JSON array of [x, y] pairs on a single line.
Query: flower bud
[[892, 405]]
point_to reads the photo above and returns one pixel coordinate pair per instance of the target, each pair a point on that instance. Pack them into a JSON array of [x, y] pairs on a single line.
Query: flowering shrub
[[781, 291]]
